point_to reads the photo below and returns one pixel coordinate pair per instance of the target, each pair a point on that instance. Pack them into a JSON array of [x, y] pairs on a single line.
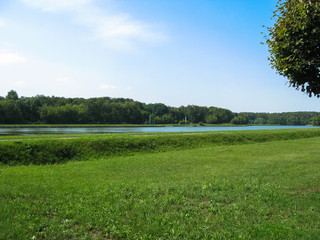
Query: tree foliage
[[239, 120], [12, 95], [294, 44], [10, 112], [316, 121], [106, 110], [285, 118]]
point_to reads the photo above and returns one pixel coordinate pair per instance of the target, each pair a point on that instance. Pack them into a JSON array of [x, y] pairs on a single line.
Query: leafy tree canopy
[[60, 110], [12, 95], [316, 121], [294, 44]]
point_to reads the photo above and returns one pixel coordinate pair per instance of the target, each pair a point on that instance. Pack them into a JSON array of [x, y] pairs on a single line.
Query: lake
[[81, 130]]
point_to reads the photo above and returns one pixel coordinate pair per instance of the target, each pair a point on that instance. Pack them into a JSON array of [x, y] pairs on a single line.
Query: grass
[[266, 190], [36, 125], [80, 125], [57, 149]]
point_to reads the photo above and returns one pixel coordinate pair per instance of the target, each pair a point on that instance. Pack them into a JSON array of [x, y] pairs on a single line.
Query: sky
[[176, 52]]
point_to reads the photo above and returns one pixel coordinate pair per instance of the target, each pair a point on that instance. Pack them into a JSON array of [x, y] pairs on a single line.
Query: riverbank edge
[[39, 151], [111, 125]]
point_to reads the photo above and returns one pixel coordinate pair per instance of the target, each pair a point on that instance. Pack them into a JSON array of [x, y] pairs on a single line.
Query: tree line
[[106, 110]]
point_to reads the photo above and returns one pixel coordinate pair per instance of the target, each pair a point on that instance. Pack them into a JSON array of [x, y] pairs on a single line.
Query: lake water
[[82, 130]]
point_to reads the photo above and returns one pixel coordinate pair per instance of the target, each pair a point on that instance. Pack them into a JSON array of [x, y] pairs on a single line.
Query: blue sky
[[176, 52]]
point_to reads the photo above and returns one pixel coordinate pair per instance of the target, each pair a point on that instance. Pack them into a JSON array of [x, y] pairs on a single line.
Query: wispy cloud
[[115, 29], [119, 30], [9, 58]]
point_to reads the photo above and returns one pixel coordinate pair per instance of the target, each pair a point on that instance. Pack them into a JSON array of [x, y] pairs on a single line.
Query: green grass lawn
[[268, 190]]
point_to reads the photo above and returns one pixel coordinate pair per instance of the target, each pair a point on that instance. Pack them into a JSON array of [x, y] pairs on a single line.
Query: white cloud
[[117, 30], [120, 31], [8, 58], [105, 86]]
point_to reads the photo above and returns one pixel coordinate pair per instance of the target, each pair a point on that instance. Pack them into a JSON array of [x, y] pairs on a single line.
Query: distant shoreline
[[112, 125]]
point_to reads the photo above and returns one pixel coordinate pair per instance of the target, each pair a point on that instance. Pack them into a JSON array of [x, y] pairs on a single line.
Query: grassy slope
[[113, 125], [265, 190], [79, 125], [61, 148]]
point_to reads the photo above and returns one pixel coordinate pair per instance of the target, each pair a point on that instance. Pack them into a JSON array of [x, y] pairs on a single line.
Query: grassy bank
[[112, 125], [266, 190], [61, 148], [79, 125]]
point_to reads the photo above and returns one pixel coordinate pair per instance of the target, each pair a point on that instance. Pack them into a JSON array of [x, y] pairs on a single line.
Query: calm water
[[81, 130]]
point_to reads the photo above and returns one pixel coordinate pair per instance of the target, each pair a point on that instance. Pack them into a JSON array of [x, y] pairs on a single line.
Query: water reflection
[[83, 130]]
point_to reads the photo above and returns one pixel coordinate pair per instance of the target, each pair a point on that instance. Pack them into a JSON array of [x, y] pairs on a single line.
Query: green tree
[[167, 119], [157, 109], [195, 114], [277, 119], [12, 95], [294, 42], [62, 114], [239, 120], [316, 121], [222, 115], [260, 121], [293, 120], [211, 119], [176, 114], [10, 112]]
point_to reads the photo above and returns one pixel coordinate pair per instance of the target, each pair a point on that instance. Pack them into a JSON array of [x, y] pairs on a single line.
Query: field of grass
[[261, 188]]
